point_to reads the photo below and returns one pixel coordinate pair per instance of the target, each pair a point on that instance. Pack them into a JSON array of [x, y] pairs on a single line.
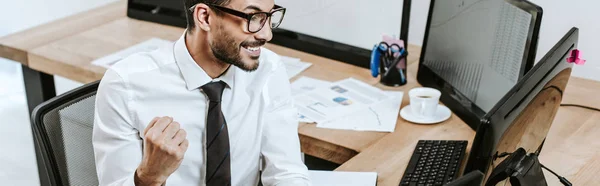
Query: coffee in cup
[[424, 101]]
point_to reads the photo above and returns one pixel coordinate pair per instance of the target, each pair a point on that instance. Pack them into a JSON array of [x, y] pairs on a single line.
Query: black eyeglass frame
[[248, 17]]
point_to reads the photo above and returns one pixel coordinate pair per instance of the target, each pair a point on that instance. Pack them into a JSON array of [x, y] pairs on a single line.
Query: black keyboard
[[434, 162]]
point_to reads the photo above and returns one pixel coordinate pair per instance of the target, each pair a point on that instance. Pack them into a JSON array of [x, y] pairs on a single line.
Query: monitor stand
[[522, 170]]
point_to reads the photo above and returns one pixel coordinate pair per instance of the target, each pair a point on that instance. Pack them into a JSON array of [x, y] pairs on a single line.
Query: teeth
[[253, 48]]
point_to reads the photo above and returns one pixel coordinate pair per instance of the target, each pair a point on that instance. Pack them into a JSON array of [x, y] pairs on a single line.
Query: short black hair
[[189, 14]]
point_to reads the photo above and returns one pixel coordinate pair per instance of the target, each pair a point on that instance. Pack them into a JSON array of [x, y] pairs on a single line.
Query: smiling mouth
[[253, 51]]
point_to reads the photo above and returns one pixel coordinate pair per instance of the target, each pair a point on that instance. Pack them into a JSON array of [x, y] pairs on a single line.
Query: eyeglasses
[[257, 20]]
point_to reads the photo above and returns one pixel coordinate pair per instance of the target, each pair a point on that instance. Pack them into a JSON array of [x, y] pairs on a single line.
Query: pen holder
[[394, 75], [388, 60]]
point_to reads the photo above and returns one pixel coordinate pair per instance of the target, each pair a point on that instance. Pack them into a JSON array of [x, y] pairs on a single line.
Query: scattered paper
[[337, 100], [146, 46], [306, 84], [287, 58], [303, 85], [378, 117], [338, 178], [294, 66]]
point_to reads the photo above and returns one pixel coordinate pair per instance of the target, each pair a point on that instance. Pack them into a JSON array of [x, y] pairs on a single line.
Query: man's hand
[[164, 146]]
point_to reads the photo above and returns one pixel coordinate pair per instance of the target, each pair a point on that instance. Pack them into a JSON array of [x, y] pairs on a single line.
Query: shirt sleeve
[[280, 146], [117, 145]]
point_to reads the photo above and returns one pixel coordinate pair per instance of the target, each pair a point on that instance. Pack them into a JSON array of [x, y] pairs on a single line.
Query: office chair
[[62, 129]]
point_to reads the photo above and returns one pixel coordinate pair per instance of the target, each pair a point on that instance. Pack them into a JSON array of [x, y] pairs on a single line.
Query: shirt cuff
[[130, 181]]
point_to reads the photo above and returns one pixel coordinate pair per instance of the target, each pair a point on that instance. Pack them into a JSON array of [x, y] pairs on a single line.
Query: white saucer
[[442, 113]]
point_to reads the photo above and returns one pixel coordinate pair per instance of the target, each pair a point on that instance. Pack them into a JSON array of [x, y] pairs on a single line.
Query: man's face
[[232, 43]]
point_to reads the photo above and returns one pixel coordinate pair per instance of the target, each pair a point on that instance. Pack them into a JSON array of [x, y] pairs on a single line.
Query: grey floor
[[17, 157]]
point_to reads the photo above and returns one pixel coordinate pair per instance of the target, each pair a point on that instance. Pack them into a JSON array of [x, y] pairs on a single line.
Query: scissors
[[390, 52]]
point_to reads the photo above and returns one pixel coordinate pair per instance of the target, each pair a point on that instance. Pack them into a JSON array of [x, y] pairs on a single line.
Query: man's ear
[[201, 15]]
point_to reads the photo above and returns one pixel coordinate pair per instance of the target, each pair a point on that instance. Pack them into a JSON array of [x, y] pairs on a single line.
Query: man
[[211, 109]]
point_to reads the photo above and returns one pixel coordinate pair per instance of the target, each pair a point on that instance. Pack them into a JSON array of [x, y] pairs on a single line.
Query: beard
[[225, 49]]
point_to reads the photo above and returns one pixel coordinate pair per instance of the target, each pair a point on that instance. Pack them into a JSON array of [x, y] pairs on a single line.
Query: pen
[[402, 77], [402, 55], [375, 60]]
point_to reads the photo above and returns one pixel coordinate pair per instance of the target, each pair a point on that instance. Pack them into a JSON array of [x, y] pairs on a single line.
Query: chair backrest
[[63, 128]]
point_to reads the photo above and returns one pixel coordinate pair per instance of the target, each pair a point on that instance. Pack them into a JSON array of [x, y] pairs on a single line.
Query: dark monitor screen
[[476, 50], [170, 12], [170, 4], [523, 117], [300, 36]]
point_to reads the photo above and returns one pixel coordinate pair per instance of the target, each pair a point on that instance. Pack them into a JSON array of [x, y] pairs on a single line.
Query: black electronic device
[[474, 178], [510, 125], [335, 50], [475, 51], [434, 162], [523, 117], [169, 12], [172, 12]]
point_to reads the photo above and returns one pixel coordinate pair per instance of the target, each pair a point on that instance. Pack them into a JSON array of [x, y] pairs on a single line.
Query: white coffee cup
[[424, 101]]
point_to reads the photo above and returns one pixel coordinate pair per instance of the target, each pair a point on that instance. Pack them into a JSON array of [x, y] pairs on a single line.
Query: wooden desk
[[67, 47]]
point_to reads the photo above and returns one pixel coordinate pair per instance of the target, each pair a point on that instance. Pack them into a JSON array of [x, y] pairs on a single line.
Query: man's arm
[[280, 144], [117, 145], [120, 157]]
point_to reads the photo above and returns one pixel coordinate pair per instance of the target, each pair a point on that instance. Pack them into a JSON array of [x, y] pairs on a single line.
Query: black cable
[[504, 154], [580, 106], [563, 180], [539, 149]]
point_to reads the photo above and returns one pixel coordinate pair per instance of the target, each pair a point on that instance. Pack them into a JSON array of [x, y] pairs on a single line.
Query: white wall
[[558, 17], [18, 15]]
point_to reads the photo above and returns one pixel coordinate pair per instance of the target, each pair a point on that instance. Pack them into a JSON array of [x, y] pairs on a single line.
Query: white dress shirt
[[258, 108]]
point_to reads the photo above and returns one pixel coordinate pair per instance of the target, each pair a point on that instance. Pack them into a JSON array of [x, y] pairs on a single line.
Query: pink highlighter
[[576, 58]]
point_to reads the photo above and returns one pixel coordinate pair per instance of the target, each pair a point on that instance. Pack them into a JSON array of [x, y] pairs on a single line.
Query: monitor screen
[[357, 23], [170, 4], [480, 47]]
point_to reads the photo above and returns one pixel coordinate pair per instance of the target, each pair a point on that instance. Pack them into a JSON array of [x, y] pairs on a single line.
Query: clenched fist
[[164, 146]]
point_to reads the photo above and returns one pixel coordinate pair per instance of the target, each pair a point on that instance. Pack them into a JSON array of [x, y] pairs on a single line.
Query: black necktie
[[218, 164]]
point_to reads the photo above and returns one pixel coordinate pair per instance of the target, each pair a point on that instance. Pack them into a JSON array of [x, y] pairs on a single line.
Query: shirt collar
[[193, 74]]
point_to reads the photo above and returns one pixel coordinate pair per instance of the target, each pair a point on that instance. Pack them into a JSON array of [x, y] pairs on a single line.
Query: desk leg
[[39, 87]]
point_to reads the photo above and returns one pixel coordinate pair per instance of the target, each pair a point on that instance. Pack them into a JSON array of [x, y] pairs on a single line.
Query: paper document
[[337, 100], [379, 117], [338, 178], [303, 85], [306, 84], [146, 46], [287, 58], [294, 66]]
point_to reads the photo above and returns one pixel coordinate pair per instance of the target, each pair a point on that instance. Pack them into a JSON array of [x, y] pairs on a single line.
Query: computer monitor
[[475, 51], [342, 30], [522, 118], [169, 12]]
